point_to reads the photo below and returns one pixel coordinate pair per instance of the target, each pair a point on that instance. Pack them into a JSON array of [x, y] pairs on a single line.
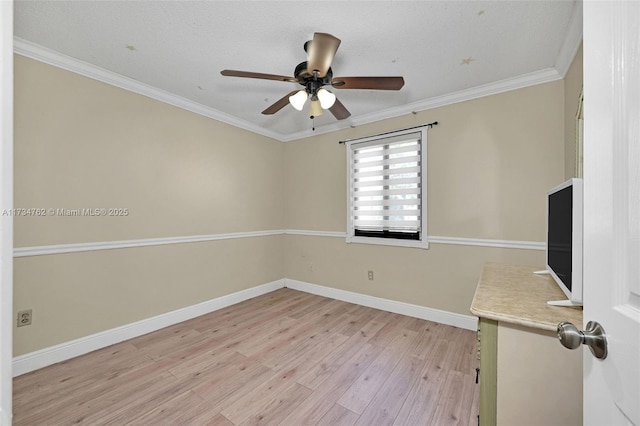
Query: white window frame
[[423, 242]]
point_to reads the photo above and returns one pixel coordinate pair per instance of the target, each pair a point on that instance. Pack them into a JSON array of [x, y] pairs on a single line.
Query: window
[[386, 177]]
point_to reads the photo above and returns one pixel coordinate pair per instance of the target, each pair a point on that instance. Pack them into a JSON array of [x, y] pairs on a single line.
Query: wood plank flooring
[[284, 358]]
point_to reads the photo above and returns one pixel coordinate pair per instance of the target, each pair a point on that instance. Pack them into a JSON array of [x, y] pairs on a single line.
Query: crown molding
[[51, 57], [572, 41], [506, 85], [39, 53]]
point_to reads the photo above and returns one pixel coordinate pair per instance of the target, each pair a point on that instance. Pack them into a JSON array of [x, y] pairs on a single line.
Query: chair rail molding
[[111, 245]]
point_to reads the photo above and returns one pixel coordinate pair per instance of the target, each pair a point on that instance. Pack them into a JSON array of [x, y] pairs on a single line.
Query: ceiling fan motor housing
[[311, 82]]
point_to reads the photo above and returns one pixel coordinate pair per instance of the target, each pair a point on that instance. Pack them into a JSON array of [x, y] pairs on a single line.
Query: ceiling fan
[[314, 74]]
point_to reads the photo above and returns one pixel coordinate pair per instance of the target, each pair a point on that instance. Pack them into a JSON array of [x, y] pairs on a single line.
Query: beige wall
[[443, 277], [572, 90], [77, 294], [80, 144], [490, 163], [83, 144]]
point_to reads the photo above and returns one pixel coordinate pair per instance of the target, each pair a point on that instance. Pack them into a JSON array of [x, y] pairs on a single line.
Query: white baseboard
[[48, 356], [34, 360], [467, 322]]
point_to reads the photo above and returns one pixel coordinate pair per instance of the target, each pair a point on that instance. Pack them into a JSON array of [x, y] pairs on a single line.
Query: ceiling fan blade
[[278, 105], [373, 83], [321, 52], [248, 74], [339, 111]]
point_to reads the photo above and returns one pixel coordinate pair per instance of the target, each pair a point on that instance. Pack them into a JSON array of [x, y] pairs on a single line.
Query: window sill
[[388, 242]]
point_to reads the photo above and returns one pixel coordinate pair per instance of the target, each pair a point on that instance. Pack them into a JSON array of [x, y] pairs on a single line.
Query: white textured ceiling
[[178, 49]]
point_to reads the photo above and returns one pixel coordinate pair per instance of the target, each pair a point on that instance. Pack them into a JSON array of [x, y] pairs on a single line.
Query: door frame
[[6, 204]]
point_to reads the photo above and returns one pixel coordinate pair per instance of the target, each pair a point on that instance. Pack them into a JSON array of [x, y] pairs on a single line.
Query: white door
[[6, 202], [612, 208]]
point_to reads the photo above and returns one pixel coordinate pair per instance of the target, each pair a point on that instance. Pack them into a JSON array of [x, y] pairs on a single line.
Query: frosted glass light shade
[[298, 100], [326, 98], [315, 109]]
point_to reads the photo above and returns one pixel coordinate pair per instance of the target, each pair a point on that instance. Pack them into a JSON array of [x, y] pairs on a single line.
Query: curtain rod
[[435, 123]]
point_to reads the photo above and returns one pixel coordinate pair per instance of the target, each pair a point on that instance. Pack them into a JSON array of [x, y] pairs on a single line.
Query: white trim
[[467, 322], [5, 418], [483, 242], [34, 360], [51, 57], [377, 140], [310, 233], [6, 202], [48, 356], [526, 80], [421, 244], [109, 245], [571, 43]]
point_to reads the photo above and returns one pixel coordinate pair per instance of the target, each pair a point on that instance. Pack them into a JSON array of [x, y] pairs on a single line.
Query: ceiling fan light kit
[[326, 98], [315, 109], [315, 73], [298, 100]]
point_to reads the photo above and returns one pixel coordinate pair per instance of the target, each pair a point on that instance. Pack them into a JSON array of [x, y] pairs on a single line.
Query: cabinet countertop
[[514, 294]]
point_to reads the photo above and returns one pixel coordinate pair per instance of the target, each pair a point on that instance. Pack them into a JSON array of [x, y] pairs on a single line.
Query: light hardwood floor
[[284, 358]]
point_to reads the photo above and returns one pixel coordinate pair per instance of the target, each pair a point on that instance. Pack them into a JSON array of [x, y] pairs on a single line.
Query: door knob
[[593, 336]]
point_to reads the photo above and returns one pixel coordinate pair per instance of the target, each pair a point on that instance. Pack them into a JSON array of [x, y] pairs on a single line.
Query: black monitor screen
[[560, 223]]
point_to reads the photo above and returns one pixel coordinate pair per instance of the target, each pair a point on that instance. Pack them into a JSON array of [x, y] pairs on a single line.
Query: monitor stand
[[543, 272], [563, 303], [557, 302]]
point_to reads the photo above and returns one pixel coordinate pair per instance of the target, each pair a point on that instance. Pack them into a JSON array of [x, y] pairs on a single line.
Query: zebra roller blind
[[386, 186]]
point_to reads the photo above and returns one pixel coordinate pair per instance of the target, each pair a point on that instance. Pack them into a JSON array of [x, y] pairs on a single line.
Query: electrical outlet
[[370, 274], [24, 317]]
